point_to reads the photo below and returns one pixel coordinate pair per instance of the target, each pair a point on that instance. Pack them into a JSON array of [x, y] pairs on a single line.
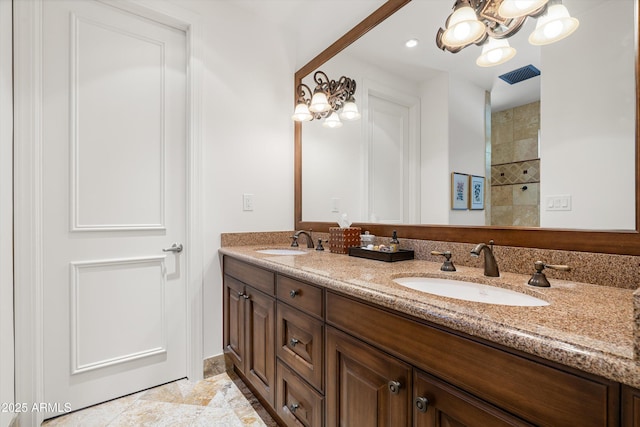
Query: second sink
[[469, 291]]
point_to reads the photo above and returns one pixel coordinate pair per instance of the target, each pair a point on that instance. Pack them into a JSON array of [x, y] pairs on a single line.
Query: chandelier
[[488, 23], [331, 100]]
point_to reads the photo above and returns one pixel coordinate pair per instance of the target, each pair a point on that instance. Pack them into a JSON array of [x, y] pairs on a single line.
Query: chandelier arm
[[512, 28], [301, 94]]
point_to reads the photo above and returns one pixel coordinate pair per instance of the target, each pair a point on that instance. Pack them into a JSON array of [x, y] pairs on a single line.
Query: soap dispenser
[[394, 244]]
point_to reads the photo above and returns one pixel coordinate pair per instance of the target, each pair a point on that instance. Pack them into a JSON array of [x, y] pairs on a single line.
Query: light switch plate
[[560, 202]]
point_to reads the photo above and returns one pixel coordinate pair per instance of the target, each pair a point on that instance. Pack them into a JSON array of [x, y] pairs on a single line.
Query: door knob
[[176, 247]]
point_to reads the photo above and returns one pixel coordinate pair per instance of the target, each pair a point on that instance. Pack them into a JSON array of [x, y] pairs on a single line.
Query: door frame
[[28, 188]]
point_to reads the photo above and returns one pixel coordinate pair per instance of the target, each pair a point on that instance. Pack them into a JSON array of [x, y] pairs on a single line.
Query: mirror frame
[[599, 241]]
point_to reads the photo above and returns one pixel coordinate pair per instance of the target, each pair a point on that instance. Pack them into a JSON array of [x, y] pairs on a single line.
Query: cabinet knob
[[422, 404], [394, 387], [240, 294], [293, 293], [245, 296], [293, 342], [294, 407]]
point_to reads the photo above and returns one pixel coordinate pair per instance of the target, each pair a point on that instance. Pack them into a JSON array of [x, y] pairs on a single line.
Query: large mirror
[[586, 147]]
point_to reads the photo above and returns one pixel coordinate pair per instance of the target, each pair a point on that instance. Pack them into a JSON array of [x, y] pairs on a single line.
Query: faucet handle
[[320, 247], [448, 264], [539, 278], [539, 266]]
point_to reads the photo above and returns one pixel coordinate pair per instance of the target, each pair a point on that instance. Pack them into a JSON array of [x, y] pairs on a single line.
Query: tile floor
[[218, 401]]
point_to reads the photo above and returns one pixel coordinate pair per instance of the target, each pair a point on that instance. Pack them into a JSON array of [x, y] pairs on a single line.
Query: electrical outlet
[[247, 202]]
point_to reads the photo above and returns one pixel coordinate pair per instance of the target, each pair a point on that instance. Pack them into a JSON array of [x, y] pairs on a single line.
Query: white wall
[[466, 140], [434, 169], [6, 212], [595, 115], [247, 134]]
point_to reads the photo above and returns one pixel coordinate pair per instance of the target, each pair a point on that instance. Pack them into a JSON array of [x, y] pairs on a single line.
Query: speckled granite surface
[[586, 326], [620, 271]]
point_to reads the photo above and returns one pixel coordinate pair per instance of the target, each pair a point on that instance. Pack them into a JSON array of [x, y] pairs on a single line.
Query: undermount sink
[[470, 291], [280, 251]]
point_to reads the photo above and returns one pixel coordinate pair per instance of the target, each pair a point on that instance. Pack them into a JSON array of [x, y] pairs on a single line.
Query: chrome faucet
[[297, 234], [490, 264]]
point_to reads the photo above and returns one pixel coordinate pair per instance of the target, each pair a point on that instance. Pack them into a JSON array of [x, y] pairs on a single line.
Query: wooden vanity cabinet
[[249, 324], [321, 358], [533, 390]]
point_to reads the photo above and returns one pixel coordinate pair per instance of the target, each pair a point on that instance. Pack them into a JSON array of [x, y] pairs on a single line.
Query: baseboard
[[214, 365]]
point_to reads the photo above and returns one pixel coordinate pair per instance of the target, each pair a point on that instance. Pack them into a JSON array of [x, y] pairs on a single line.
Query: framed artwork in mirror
[[476, 194], [459, 191]]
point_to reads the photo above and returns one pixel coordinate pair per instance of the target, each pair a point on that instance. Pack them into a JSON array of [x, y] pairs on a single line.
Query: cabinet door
[[365, 387], [438, 404], [630, 407], [260, 360], [234, 339]]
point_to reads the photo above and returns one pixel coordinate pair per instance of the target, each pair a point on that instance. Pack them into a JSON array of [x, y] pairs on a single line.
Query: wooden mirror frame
[[600, 241]]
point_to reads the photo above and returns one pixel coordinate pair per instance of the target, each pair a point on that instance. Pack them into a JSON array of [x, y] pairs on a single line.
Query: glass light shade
[[463, 28], [517, 8], [333, 121], [350, 111], [301, 113], [554, 25], [495, 52], [319, 102]]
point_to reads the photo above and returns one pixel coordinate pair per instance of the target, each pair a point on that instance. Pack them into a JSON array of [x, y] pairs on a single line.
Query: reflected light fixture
[[488, 23], [331, 100], [495, 52]]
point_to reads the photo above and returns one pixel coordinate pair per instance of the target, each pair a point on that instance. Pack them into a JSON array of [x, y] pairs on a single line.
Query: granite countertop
[[585, 326]]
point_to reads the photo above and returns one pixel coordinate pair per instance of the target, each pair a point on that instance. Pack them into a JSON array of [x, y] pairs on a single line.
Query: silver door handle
[[176, 247]]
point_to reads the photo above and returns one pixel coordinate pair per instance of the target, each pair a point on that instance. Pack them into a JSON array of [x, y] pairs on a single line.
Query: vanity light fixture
[[490, 22], [331, 100]]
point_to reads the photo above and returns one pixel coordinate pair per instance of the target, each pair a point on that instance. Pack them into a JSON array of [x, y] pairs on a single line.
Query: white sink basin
[[470, 291], [281, 251]]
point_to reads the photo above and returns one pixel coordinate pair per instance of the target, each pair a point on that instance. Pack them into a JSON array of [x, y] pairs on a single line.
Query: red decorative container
[[341, 239]]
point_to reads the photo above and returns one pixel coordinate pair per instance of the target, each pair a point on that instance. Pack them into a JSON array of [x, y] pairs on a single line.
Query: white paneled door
[[114, 197]]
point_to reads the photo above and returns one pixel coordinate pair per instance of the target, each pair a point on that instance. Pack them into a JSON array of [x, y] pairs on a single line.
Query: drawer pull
[[293, 342], [293, 293], [294, 407], [394, 387], [422, 404]]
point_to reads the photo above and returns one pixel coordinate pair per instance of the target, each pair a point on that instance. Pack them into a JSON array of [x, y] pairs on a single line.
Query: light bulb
[[333, 121], [518, 8], [350, 111], [319, 102], [463, 28], [554, 25], [301, 113], [495, 52]]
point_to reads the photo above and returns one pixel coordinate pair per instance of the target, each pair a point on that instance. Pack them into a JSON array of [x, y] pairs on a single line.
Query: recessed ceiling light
[[411, 43]]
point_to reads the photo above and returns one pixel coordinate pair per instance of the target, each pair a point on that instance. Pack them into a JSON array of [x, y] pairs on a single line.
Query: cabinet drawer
[[535, 391], [297, 403], [304, 296], [300, 343], [257, 277]]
